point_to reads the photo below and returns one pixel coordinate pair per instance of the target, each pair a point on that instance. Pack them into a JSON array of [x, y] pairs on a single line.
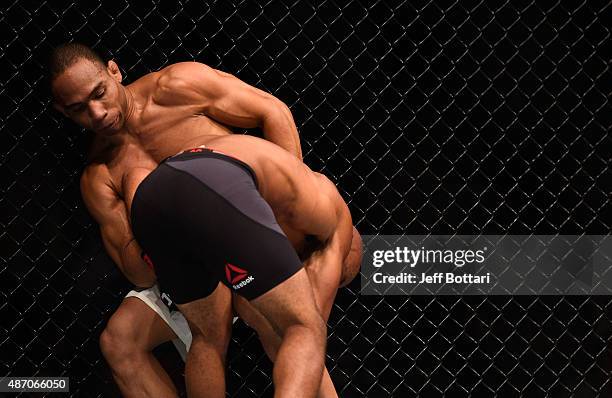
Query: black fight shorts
[[201, 220]]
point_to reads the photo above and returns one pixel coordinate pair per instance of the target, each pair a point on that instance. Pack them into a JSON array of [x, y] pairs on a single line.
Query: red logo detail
[[196, 150], [147, 260], [234, 274]]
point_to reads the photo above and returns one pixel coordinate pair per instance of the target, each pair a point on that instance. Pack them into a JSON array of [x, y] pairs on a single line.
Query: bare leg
[[271, 340], [126, 343], [324, 281], [325, 273], [210, 321], [291, 311]]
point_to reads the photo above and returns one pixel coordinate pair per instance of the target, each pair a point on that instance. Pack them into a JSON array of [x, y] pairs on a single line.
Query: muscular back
[[304, 202], [300, 198]]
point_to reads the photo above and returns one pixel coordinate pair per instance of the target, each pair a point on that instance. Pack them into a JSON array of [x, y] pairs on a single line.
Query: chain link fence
[[431, 117]]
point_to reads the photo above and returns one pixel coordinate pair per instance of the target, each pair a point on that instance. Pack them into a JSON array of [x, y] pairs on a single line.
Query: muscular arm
[[230, 101], [109, 210]]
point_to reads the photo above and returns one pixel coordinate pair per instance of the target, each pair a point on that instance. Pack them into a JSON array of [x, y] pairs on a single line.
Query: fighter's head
[[86, 89]]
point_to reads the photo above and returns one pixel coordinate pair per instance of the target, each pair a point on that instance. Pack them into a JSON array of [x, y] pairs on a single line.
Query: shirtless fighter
[[163, 112], [206, 217], [89, 92]]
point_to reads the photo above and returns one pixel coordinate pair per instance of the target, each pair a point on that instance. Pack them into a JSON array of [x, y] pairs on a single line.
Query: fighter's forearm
[[279, 127], [134, 267]]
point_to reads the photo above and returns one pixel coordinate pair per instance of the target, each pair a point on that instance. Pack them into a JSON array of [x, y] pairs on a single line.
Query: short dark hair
[[65, 55]]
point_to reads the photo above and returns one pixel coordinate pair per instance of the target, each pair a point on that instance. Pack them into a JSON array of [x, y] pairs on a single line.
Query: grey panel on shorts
[[229, 182]]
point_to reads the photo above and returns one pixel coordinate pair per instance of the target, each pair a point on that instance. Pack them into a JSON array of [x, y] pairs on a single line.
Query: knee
[[320, 328], [317, 327], [205, 346], [119, 341]]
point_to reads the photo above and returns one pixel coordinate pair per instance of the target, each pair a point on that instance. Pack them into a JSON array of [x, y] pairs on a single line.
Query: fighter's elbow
[[285, 111], [275, 111]]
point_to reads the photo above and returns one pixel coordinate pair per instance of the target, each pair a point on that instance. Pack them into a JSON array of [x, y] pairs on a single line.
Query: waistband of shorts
[[200, 152]]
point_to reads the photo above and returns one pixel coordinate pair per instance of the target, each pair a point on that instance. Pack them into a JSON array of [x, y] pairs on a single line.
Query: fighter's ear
[[113, 69]]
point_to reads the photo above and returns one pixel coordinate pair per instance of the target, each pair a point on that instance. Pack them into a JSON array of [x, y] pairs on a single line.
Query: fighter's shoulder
[[182, 75], [176, 83]]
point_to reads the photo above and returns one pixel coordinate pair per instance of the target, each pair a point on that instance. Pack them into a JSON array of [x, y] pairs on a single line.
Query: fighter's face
[[92, 96]]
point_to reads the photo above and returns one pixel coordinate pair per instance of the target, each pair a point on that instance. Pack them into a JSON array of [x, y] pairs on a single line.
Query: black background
[[431, 117]]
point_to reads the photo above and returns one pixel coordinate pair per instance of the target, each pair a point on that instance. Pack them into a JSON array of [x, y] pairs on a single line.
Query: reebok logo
[[236, 276], [245, 282]]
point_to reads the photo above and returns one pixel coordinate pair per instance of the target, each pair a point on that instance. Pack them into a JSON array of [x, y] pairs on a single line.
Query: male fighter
[[163, 111], [216, 219], [190, 97]]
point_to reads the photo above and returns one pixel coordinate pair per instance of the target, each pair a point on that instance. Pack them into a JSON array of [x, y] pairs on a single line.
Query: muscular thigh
[[325, 270], [290, 303], [210, 318]]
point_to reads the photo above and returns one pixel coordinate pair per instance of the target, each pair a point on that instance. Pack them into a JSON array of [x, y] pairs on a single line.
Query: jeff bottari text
[[411, 257]]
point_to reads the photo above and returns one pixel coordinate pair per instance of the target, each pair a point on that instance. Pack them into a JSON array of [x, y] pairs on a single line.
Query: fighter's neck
[[132, 103]]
